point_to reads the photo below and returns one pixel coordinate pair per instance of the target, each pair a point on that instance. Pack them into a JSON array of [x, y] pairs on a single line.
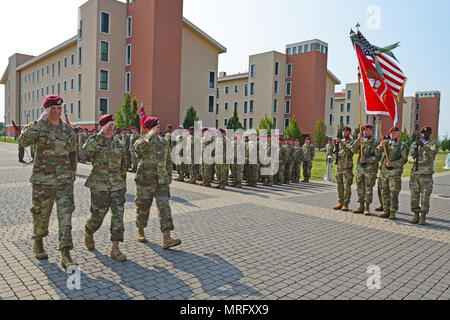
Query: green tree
[[320, 134], [266, 124], [190, 118], [128, 116], [404, 137], [355, 133], [234, 123], [293, 131]]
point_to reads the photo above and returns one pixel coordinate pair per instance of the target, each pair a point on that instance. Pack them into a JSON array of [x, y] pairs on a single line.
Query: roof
[[233, 77], [4, 77], [47, 53], [205, 36], [339, 95], [336, 80]]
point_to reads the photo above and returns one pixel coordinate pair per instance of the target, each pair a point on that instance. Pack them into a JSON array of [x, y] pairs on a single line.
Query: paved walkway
[[265, 243]]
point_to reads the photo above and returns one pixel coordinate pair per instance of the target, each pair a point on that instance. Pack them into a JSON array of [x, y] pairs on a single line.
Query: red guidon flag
[[67, 120], [15, 128], [382, 78], [142, 115]]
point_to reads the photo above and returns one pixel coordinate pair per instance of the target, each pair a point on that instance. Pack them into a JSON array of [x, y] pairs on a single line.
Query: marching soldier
[[134, 159], [366, 173], [107, 183], [391, 171], [344, 169], [308, 157], [222, 168], [422, 155], [54, 173], [153, 179]]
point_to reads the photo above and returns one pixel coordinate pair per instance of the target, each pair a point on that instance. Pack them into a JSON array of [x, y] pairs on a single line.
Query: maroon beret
[[151, 122], [367, 126], [169, 126], [222, 130], [394, 129], [347, 128], [426, 128], [191, 128], [204, 129], [105, 119], [52, 100]]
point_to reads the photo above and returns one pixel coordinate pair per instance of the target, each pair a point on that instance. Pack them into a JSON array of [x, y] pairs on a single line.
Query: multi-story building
[[427, 111], [279, 86], [142, 47]]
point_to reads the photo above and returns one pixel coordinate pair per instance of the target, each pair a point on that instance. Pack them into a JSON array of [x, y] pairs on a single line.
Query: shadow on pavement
[[217, 276]]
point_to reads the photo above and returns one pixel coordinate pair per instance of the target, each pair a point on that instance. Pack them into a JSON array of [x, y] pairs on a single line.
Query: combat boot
[[379, 209], [66, 259], [392, 216], [192, 182], [423, 219], [384, 215], [415, 219], [89, 241], [141, 235], [116, 253], [168, 242], [367, 209], [39, 251], [344, 208], [180, 179], [338, 207], [360, 209], [206, 184]]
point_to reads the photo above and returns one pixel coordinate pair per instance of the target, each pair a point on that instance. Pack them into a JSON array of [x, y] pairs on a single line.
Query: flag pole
[[360, 112], [382, 138]]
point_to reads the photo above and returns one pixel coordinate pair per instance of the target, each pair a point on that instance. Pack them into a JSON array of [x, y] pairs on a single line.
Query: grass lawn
[[2, 139], [319, 169]]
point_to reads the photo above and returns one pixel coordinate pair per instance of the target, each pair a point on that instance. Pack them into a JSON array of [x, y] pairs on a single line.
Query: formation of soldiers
[[384, 162]]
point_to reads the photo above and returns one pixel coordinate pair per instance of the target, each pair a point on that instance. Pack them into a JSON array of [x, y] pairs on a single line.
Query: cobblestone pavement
[[265, 243]]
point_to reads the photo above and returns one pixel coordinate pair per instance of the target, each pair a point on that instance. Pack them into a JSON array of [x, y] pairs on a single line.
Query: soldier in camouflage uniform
[[298, 158], [308, 157], [107, 183], [81, 141], [134, 159], [366, 173], [267, 180], [236, 168], [251, 147], [289, 161], [182, 168], [207, 169], [222, 168], [421, 181], [329, 148], [193, 168], [54, 173], [153, 179], [278, 179], [391, 171], [344, 169]]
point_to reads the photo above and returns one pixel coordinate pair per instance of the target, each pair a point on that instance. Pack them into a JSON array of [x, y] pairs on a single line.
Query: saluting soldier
[[54, 173], [308, 158], [344, 169], [422, 154], [153, 179], [366, 173], [391, 171]]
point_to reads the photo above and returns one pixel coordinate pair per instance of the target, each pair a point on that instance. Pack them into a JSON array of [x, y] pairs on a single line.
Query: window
[[53, 89], [287, 107], [217, 123], [32, 113], [218, 93], [245, 124], [59, 68], [274, 120], [246, 90], [275, 105], [277, 67], [321, 48], [245, 106], [252, 71], [306, 48], [286, 123], [318, 47], [225, 106], [217, 108], [42, 92], [211, 104], [47, 90], [312, 47], [65, 108], [104, 74], [37, 77], [325, 50], [104, 51], [226, 90], [79, 82], [72, 60], [275, 89], [32, 101], [42, 72], [104, 22], [341, 120], [347, 120], [289, 71], [236, 89], [65, 86], [417, 127], [103, 107], [250, 123], [80, 51], [417, 106], [225, 122], [71, 107], [212, 79], [288, 88], [53, 70], [129, 26], [128, 53], [79, 110], [331, 119], [342, 107], [59, 89], [252, 106], [65, 62], [33, 78], [349, 94], [348, 107], [289, 51], [300, 49], [71, 84], [294, 50], [252, 88], [235, 106], [128, 82], [332, 103], [80, 29], [417, 117]]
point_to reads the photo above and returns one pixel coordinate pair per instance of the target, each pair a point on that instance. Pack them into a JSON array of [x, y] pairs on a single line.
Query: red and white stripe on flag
[[393, 75]]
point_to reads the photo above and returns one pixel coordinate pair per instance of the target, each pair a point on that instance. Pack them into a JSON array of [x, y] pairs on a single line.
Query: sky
[[247, 27]]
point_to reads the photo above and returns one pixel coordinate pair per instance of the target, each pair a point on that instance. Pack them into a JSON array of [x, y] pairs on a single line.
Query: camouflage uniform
[[126, 142], [53, 176], [391, 180], [33, 151], [134, 158], [366, 177], [421, 182], [267, 180], [107, 183], [253, 169], [298, 158], [236, 169], [194, 169], [222, 169], [344, 171], [289, 163], [308, 157], [21, 152], [182, 168], [278, 179], [82, 140], [153, 179], [207, 169]]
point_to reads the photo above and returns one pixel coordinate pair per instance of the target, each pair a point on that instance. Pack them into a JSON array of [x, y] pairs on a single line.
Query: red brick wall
[[156, 57], [429, 113]]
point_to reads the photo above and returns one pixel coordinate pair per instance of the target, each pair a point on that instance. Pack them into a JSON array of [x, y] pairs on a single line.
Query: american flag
[[393, 75]]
